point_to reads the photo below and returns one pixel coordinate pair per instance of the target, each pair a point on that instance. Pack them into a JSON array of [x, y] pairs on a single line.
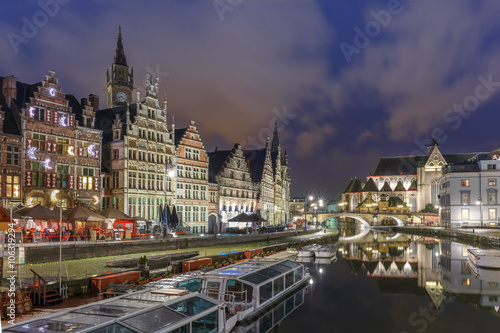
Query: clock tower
[[120, 83]]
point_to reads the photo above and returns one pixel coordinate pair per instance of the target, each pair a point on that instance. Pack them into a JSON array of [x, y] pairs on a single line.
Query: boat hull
[[485, 258]]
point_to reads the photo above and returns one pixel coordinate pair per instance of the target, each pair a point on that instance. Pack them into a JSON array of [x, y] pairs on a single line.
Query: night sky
[[347, 81]]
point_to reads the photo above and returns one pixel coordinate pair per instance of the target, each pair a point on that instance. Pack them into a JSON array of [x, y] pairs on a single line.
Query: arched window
[[434, 192], [413, 202], [354, 202]]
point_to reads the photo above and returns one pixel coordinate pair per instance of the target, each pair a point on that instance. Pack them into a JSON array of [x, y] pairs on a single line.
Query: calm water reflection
[[393, 283]]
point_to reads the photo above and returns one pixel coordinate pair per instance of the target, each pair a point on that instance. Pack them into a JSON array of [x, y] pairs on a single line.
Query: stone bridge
[[367, 219]]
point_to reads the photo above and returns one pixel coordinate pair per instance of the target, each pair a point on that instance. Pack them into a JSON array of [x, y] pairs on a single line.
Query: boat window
[[290, 264], [115, 328], [299, 299], [240, 290], [206, 324], [183, 329], [266, 292], [49, 326], [213, 288], [269, 272], [299, 273], [154, 320], [288, 280], [281, 268], [191, 285], [255, 278], [279, 285], [191, 306]]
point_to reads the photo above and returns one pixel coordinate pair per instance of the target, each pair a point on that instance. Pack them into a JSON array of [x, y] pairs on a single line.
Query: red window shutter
[[55, 117], [48, 147], [71, 120], [54, 180], [29, 143], [80, 183], [54, 147], [47, 180], [96, 183], [71, 181], [96, 155], [28, 178], [48, 116], [80, 152]]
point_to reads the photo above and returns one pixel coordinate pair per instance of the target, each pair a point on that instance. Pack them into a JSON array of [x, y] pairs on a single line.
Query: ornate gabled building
[[192, 180], [10, 146], [61, 150], [412, 179], [138, 146], [261, 168], [237, 192], [282, 180]]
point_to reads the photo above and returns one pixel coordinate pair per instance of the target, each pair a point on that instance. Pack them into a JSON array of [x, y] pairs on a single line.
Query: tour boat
[[210, 302], [308, 251], [325, 251], [485, 258]]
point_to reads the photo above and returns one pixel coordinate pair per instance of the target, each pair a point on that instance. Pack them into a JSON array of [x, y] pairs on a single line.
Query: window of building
[[492, 182], [38, 174], [492, 166], [465, 182], [212, 196], [492, 197], [465, 196], [88, 179], [12, 155], [116, 182], [434, 192], [39, 114], [63, 145], [492, 214], [116, 154], [187, 213], [196, 154], [465, 214], [62, 176], [195, 213], [39, 142], [13, 187]]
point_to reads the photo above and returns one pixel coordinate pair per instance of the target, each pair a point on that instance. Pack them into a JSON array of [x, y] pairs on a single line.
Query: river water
[[390, 283]]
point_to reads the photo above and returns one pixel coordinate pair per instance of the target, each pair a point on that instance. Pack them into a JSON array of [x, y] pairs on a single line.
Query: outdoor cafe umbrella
[[253, 218], [174, 221], [113, 213], [83, 214], [39, 212]]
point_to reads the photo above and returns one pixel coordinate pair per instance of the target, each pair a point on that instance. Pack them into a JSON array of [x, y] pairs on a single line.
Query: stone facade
[[138, 147], [192, 179], [61, 155]]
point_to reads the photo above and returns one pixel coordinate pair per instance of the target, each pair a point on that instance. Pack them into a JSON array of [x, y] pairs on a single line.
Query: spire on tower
[[120, 58], [276, 140]]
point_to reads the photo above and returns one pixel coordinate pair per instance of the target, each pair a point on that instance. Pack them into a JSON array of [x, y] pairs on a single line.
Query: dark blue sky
[[343, 98]]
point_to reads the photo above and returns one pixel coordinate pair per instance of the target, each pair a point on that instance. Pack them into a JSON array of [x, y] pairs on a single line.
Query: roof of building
[[370, 186], [399, 187], [216, 160], [257, 161], [355, 185], [413, 186], [386, 188], [395, 201], [120, 58], [106, 117], [178, 135]]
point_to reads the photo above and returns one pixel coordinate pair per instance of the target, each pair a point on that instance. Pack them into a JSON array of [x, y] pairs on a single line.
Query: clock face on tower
[[121, 96]]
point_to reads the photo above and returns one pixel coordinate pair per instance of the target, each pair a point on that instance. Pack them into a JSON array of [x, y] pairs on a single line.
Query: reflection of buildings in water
[[266, 321], [458, 279]]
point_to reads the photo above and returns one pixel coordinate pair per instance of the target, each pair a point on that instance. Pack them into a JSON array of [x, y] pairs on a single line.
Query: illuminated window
[[465, 214], [465, 282], [12, 186], [492, 182], [492, 197], [465, 183], [465, 197], [62, 176], [38, 174], [88, 179], [39, 142], [62, 146], [492, 214]]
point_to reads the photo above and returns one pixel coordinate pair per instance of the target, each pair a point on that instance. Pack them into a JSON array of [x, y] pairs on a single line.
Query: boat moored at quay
[[196, 302]]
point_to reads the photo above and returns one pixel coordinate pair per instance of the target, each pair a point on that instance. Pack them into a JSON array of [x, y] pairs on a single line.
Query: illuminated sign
[[31, 110], [71, 151], [63, 120], [52, 92], [53, 195], [96, 200], [91, 150], [46, 164]]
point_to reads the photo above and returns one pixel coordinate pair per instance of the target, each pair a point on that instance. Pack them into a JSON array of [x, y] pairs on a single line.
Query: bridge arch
[[361, 219], [399, 222]]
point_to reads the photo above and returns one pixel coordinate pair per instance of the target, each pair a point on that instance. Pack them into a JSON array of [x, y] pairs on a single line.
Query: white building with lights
[[469, 193]]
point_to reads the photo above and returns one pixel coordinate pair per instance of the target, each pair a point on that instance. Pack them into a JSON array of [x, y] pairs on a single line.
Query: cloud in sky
[[229, 75]]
